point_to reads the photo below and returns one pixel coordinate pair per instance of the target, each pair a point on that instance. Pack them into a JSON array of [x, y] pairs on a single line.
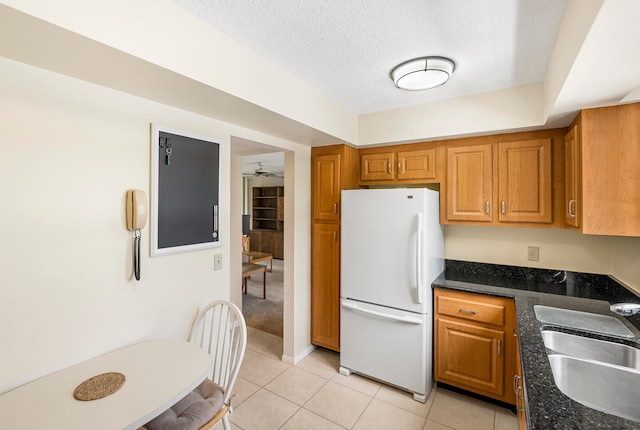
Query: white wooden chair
[[221, 330]]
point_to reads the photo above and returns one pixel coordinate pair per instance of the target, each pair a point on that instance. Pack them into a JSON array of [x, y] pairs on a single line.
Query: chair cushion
[[193, 411]]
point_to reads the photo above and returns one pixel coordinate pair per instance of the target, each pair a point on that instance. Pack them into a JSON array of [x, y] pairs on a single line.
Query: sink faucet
[[625, 309]]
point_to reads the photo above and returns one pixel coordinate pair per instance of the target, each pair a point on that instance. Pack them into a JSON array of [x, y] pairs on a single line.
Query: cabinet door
[[469, 183], [610, 156], [277, 244], [469, 356], [326, 187], [419, 164], [325, 285], [518, 387], [267, 242], [255, 240], [572, 176], [524, 181], [377, 167]]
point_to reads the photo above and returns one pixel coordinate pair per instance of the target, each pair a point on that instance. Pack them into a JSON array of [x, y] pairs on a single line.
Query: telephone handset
[[136, 209], [136, 220]]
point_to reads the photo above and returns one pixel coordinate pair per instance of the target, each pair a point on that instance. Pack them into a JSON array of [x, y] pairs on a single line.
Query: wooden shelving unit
[[268, 220], [268, 208]]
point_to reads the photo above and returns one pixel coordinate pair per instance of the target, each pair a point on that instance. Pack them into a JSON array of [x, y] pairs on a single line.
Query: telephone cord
[[136, 254]]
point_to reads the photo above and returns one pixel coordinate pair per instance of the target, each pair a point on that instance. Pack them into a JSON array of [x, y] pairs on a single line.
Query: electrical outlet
[[217, 262], [533, 253]]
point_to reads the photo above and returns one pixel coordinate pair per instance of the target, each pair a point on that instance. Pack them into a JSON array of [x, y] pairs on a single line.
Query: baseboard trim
[[298, 358]]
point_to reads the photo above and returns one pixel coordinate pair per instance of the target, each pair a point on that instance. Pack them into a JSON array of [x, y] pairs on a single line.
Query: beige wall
[[625, 261], [70, 150], [559, 249]]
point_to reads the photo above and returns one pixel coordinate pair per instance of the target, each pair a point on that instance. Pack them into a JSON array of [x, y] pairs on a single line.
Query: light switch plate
[[217, 262], [533, 253]]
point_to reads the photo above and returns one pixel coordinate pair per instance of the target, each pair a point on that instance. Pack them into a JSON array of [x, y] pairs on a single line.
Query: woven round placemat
[[99, 386]]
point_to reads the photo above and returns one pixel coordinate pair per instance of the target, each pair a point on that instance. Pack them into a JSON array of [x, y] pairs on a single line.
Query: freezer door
[[391, 247], [387, 344]]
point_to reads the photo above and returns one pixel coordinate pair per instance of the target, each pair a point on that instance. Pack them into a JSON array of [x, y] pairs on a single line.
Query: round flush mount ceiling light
[[422, 73]]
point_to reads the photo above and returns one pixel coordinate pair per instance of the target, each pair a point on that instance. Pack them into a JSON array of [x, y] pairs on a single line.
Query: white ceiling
[[317, 72], [347, 49], [272, 162]]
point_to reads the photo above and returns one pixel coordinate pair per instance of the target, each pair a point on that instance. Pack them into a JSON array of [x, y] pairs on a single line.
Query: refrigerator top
[[392, 247]]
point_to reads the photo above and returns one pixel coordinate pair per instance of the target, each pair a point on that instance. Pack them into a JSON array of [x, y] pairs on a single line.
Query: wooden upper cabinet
[[609, 174], [401, 166], [524, 181], [469, 183], [419, 164], [572, 206], [377, 167], [326, 187], [333, 168], [502, 182]]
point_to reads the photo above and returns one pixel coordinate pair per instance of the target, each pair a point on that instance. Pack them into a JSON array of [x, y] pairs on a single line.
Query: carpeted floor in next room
[[261, 314]]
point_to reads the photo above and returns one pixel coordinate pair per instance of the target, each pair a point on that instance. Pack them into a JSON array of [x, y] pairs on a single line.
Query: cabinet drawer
[[489, 310]]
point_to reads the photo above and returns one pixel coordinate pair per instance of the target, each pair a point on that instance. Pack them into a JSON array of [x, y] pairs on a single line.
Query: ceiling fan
[[262, 172]]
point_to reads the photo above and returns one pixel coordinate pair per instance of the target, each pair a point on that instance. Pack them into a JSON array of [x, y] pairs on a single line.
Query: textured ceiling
[[347, 49]]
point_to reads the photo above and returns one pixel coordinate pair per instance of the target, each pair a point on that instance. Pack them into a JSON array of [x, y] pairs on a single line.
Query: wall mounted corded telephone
[[136, 220]]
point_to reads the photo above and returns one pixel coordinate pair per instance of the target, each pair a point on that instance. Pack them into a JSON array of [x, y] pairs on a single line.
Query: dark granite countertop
[[547, 407]]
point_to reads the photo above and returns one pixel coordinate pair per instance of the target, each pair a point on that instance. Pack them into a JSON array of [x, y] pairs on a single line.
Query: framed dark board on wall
[[186, 213]]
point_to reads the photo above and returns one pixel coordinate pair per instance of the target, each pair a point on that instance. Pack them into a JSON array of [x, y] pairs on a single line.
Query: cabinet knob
[[335, 208], [486, 208], [399, 167], [504, 207], [468, 311], [572, 208], [389, 167]]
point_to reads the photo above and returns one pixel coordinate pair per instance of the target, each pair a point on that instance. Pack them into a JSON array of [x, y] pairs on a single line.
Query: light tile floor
[[273, 395]]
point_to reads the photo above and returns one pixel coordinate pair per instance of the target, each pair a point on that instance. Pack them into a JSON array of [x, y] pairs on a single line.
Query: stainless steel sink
[[591, 349], [597, 373], [584, 321], [611, 389]]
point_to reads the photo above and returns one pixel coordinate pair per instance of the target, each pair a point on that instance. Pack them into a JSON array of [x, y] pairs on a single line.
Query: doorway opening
[[263, 241]]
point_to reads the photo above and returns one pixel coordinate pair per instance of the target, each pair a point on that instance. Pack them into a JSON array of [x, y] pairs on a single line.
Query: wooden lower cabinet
[[518, 388], [268, 241], [325, 285], [470, 356], [475, 347]]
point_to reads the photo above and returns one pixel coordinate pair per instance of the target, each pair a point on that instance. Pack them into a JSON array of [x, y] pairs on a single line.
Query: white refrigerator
[[392, 248]]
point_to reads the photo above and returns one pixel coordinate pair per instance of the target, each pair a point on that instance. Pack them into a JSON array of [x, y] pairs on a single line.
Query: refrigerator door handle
[[405, 319], [419, 264]]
